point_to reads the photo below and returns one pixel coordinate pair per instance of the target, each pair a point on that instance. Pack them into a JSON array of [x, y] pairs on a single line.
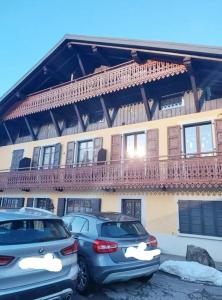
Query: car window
[[122, 229], [78, 224], [31, 231], [67, 220], [85, 227]]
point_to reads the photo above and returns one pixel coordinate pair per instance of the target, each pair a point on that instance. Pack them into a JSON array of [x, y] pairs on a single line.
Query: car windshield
[[122, 229], [31, 231]]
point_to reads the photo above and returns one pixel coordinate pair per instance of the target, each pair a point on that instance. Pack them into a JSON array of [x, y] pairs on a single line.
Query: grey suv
[[103, 239], [33, 233]]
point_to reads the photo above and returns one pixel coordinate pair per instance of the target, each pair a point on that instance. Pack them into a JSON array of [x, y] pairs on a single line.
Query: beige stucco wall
[[6, 151]]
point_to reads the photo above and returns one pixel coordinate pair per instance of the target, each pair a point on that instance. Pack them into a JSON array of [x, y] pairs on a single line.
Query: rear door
[[33, 238]]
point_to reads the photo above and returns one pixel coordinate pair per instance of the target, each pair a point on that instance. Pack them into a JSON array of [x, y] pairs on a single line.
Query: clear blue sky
[[29, 28]]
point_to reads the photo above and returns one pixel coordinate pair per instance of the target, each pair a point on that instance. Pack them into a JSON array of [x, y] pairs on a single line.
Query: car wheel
[[146, 278], [83, 279]]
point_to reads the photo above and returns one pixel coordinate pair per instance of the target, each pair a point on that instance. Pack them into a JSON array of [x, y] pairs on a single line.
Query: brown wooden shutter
[[96, 205], [35, 157], [97, 145], [17, 155], [153, 143], [116, 147], [61, 207], [57, 155], [70, 153], [218, 135], [174, 141], [30, 202]]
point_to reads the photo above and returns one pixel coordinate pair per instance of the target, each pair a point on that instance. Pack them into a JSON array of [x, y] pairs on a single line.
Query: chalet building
[[120, 125]]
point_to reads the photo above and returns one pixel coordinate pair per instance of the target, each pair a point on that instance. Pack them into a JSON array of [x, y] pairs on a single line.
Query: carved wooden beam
[[78, 57], [53, 73], [136, 57], [82, 68], [55, 123], [145, 102], [8, 132], [106, 112], [80, 120], [188, 64], [30, 129], [103, 59]]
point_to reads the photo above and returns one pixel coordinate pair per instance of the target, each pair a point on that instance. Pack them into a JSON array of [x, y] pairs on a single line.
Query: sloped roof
[[162, 48]]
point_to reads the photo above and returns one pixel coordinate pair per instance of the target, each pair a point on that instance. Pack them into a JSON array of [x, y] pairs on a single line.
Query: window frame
[[198, 140], [78, 151], [9, 205], [51, 156], [135, 134]]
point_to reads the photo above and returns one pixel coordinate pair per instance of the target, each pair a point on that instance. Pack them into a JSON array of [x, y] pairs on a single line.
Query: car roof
[[106, 216], [24, 214]]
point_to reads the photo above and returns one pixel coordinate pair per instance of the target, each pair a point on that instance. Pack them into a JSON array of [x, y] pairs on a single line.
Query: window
[[200, 217], [83, 205], [44, 203], [198, 139], [79, 205], [132, 208], [85, 152], [171, 101], [11, 202], [32, 231], [122, 229], [79, 225], [48, 156], [135, 145]]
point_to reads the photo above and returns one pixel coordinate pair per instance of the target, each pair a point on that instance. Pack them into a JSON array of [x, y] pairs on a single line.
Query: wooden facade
[[133, 87]]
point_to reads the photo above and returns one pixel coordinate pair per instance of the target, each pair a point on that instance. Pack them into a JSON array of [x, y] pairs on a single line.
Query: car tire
[[145, 278], [83, 279]]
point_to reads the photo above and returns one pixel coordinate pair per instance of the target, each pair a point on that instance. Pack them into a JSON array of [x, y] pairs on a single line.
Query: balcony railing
[[178, 173], [104, 82]]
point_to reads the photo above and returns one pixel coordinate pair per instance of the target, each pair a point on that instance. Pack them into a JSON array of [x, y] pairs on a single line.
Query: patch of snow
[[192, 271]]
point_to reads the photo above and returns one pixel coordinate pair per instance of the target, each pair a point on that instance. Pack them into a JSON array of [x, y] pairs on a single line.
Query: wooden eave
[[59, 63], [111, 80]]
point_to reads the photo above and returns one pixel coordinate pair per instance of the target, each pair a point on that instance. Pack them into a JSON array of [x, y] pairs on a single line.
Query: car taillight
[[5, 260], [152, 241], [70, 249], [100, 246]]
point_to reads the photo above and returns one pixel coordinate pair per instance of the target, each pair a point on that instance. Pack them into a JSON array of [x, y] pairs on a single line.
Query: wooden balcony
[[112, 79], [167, 174]]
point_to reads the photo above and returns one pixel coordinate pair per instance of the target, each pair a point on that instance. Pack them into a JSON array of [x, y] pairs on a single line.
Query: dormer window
[[171, 101]]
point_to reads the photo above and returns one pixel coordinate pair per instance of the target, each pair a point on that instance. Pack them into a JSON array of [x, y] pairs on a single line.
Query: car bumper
[[123, 272], [62, 290]]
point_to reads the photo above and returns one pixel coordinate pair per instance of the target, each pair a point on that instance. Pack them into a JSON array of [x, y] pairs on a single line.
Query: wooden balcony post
[[55, 123], [8, 132], [188, 65], [106, 112], [145, 102], [80, 120], [30, 129]]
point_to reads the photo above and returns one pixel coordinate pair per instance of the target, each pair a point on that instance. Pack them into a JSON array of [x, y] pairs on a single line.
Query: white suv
[[28, 237]]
